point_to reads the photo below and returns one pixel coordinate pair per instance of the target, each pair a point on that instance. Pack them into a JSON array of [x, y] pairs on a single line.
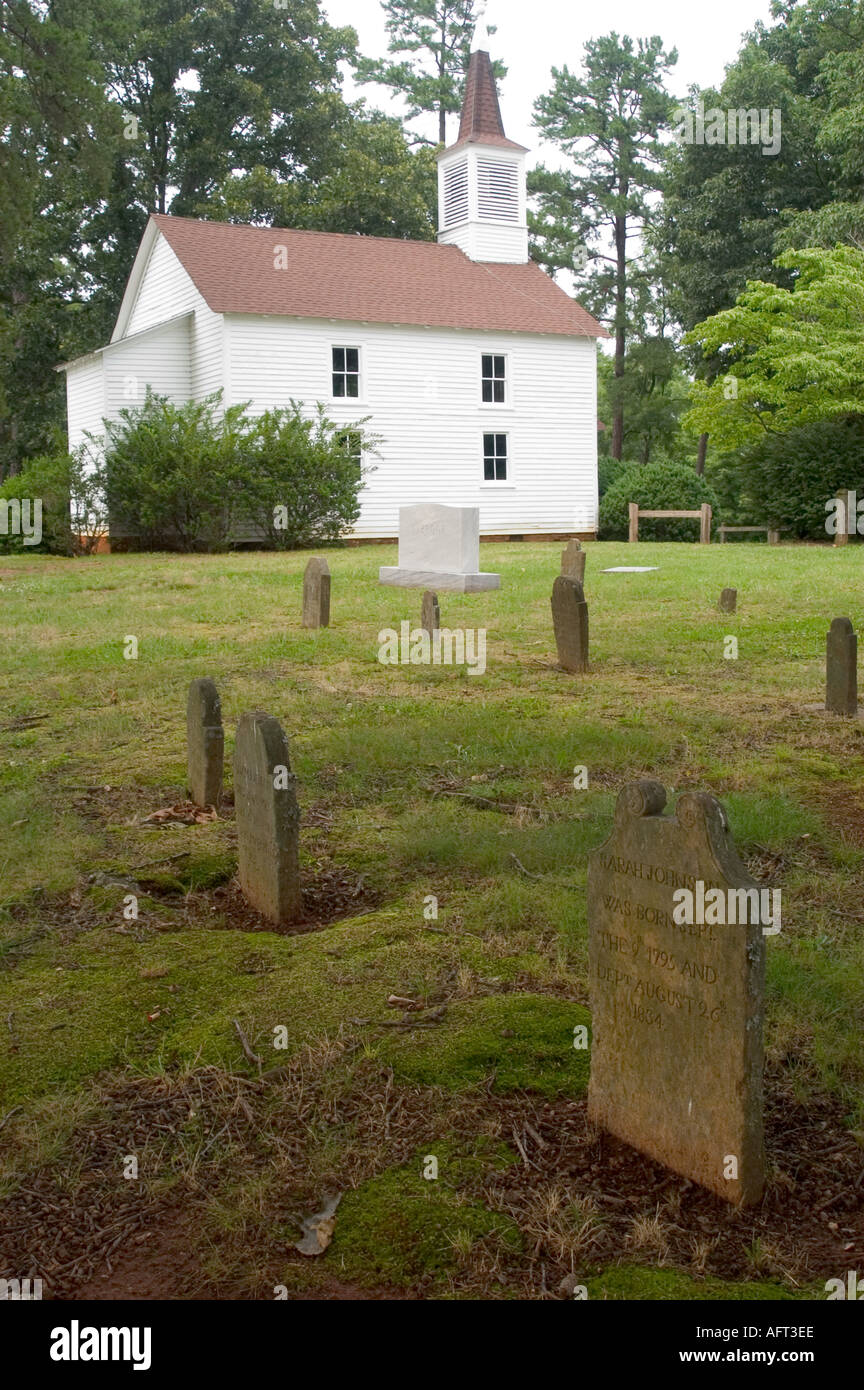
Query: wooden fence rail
[[772, 532], [703, 516]]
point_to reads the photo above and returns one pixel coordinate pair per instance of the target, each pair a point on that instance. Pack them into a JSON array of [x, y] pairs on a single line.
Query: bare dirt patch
[[90, 1234]]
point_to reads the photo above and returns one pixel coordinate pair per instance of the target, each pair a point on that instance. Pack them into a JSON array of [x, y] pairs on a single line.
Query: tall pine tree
[[607, 120], [430, 41]]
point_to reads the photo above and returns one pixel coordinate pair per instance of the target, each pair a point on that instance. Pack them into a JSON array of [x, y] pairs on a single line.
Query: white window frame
[[507, 403], [497, 483], [347, 400]]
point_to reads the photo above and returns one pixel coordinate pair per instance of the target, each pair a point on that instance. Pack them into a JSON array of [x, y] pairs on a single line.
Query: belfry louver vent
[[498, 190]]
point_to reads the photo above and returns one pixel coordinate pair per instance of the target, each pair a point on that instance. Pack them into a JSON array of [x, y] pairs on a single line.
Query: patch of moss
[[401, 1227], [642, 1283], [197, 872], [526, 1040]]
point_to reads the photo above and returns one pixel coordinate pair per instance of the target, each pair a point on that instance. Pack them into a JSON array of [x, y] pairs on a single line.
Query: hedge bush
[[661, 485], [68, 486], [196, 477], [786, 479]]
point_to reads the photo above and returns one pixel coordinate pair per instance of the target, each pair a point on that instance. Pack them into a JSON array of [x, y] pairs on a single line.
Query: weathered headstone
[[573, 561], [439, 548], [205, 743], [430, 613], [841, 684], [570, 620], [268, 819], [728, 600], [677, 1010], [316, 594]]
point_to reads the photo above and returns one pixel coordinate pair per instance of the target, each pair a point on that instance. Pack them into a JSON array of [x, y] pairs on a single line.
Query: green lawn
[[414, 781]]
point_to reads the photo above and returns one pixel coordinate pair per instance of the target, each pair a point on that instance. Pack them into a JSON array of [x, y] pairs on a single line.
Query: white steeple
[[482, 181]]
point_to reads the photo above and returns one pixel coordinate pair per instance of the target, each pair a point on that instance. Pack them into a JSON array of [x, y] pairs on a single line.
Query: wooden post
[[722, 535], [773, 537], [842, 536], [705, 525], [634, 521]]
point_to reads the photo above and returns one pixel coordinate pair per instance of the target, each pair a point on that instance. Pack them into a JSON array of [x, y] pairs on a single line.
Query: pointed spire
[[481, 121], [481, 113]]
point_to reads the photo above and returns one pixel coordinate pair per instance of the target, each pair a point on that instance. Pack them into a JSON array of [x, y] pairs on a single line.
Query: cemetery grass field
[[118, 1037]]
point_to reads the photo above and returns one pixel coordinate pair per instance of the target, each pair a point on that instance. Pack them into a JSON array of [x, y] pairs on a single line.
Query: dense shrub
[[609, 470], [786, 479], [195, 477], [68, 487], [173, 473], [303, 476], [659, 485]]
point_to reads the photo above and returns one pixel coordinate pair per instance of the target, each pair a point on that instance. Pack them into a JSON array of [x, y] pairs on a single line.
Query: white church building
[[478, 371]]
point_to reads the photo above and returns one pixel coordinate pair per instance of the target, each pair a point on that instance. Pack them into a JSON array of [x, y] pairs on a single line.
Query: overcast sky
[[535, 35]]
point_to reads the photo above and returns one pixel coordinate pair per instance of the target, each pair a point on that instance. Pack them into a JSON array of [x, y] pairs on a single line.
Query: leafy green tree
[[59, 135], [608, 121], [208, 87], [430, 41], [652, 392], [377, 185], [730, 208], [796, 356]]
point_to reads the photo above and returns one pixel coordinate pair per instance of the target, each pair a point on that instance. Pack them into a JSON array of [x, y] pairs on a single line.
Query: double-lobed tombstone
[[316, 593], [573, 561], [677, 991], [570, 620], [205, 743], [268, 819]]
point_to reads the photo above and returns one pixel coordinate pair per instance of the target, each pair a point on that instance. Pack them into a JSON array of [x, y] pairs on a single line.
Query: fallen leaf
[[318, 1229]]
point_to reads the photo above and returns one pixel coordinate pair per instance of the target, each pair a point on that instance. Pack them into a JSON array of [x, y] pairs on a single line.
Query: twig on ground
[[247, 1049]]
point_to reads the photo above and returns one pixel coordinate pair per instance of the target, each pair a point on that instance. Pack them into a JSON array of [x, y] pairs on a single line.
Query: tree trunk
[[700, 457], [442, 69], [617, 445]]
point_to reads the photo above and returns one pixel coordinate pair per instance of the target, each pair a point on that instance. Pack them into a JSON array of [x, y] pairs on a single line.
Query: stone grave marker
[[841, 684], [676, 1061], [316, 594], [728, 600], [268, 819], [573, 561], [205, 743], [439, 548], [570, 620], [430, 613]]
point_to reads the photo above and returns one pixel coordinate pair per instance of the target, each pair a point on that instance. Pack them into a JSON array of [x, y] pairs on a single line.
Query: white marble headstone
[[439, 548], [439, 538]]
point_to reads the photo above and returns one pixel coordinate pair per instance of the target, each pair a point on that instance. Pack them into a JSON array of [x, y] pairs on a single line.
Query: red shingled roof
[[368, 280], [481, 114]]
